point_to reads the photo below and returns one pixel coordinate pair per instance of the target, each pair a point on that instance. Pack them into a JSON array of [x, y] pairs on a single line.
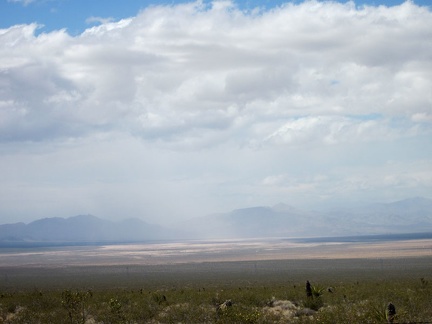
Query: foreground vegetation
[[272, 291], [330, 302]]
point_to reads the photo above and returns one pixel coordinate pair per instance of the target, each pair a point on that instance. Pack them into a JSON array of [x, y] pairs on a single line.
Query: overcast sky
[[171, 111]]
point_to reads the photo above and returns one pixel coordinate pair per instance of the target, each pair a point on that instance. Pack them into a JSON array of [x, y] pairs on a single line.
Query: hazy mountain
[[405, 216], [82, 228], [409, 215], [254, 222]]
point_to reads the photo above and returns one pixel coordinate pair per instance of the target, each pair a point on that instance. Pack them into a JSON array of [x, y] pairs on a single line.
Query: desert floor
[[220, 263]]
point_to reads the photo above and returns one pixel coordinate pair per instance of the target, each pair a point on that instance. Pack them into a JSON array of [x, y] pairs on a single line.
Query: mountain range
[[405, 216], [82, 228]]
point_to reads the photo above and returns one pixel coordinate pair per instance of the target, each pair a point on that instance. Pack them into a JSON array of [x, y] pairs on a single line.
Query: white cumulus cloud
[[251, 87]]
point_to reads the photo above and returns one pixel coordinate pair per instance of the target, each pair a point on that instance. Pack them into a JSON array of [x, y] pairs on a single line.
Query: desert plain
[[223, 262]]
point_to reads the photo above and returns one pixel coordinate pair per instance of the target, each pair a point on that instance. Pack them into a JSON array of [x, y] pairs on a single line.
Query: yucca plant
[[424, 282], [390, 313], [317, 291], [386, 314], [313, 294]]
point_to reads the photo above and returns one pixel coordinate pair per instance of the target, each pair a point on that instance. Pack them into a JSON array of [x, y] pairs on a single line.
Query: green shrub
[[75, 304]]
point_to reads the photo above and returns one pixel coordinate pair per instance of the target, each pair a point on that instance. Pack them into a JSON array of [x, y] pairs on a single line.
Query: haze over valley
[[401, 217]]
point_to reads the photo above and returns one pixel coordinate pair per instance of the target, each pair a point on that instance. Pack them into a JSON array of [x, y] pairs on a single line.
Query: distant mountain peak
[[281, 207], [82, 219], [88, 216], [416, 200]]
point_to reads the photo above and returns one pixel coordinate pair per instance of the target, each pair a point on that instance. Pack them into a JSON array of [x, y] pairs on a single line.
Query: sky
[[170, 110]]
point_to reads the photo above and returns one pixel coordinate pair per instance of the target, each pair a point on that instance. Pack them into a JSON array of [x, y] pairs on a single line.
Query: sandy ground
[[208, 251]]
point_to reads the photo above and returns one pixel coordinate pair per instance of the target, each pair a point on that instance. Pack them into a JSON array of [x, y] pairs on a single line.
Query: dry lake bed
[[221, 262], [166, 253]]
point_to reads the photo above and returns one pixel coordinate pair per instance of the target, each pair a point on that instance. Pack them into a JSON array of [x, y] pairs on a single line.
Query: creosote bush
[[350, 302], [75, 304]]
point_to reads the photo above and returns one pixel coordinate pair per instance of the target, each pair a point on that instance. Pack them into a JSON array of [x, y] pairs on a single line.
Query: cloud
[[331, 130], [99, 20], [218, 107], [347, 183], [174, 73], [24, 2]]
